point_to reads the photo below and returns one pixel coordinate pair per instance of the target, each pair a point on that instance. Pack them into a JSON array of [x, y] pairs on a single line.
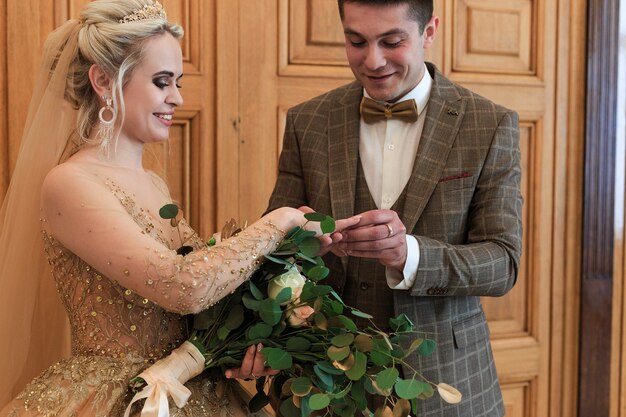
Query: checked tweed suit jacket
[[463, 205]]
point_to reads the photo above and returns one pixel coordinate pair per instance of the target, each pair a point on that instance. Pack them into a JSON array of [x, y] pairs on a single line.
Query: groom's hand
[[252, 366], [379, 235]]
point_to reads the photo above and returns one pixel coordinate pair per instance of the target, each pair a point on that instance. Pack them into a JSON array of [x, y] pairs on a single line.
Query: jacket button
[[431, 291], [336, 287], [364, 286]]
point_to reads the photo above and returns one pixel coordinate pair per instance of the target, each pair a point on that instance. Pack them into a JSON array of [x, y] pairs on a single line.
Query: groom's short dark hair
[[419, 10]]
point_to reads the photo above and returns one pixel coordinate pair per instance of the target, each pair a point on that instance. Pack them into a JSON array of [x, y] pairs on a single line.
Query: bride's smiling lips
[[165, 118]]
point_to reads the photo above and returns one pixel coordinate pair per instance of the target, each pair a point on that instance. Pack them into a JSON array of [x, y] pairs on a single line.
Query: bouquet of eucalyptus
[[328, 364]]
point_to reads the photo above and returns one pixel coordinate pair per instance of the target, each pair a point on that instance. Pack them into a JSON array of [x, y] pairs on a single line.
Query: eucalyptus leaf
[[278, 260], [304, 257], [235, 317], [449, 394], [427, 391], [250, 302], [256, 292], [397, 352], [358, 313], [401, 323], [336, 306], [387, 378], [288, 408], [292, 232], [414, 345], [328, 368], [349, 324], [325, 379], [284, 295], [203, 320], [338, 353], [259, 331], [222, 332], [303, 357], [427, 347], [277, 359], [319, 290], [379, 358], [363, 343], [408, 388], [344, 408], [328, 225], [360, 366], [315, 217], [310, 246], [270, 311], [320, 321], [358, 394], [342, 340], [319, 401], [299, 344], [318, 273], [279, 328], [402, 408], [301, 386], [168, 211], [383, 411]]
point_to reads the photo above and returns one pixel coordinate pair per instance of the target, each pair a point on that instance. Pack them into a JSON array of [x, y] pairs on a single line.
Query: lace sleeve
[[88, 220]]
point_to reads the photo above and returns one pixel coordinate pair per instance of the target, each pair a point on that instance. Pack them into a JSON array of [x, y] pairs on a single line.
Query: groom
[[434, 172]]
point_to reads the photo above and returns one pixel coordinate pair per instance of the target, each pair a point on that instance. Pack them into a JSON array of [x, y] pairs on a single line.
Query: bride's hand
[[252, 366], [329, 241]]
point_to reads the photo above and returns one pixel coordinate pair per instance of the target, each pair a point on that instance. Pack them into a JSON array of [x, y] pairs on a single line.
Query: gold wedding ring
[[390, 229]]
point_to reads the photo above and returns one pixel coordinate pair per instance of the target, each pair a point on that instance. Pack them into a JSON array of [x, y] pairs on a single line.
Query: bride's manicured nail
[[259, 346]]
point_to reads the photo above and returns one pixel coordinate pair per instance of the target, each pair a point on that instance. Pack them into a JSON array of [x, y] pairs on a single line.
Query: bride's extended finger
[[344, 224], [258, 366]]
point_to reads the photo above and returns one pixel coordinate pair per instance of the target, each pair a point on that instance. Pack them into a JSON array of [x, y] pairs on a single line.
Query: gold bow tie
[[373, 111]]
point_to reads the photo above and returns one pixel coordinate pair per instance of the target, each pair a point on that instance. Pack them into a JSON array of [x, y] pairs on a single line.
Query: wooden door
[[519, 53]]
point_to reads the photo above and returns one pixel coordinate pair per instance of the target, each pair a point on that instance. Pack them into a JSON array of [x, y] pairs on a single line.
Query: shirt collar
[[420, 93]]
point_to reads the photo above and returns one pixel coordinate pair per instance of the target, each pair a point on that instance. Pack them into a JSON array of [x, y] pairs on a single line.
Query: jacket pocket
[[468, 331]]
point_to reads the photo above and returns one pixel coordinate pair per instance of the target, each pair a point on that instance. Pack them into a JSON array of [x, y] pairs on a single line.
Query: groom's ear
[[100, 80]]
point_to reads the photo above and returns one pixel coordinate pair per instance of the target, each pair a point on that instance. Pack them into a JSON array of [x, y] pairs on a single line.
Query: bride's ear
[[100, 81]]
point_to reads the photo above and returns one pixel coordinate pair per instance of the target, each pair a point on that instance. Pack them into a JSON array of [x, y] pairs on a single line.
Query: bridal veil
[[33, 327]]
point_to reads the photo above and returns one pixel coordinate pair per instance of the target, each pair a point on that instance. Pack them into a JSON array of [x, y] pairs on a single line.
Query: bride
[[108, 86]]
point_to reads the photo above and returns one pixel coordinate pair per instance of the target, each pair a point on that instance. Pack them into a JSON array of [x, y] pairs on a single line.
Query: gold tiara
[[152, 10]]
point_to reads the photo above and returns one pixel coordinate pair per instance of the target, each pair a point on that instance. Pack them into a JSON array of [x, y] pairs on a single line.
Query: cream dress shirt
[[387, 150]]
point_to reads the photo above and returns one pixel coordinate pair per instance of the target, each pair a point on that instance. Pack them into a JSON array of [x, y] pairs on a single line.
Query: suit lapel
[[443, 118]]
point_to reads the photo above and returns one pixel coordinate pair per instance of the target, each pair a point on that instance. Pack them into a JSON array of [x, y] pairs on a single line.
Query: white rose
[[290, 279]]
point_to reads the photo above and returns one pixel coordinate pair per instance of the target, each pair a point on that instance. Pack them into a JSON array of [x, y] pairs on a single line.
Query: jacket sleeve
[[290, 188], [487, 262]]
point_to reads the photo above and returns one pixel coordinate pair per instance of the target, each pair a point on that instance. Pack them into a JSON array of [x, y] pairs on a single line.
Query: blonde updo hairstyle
[[114, 47]]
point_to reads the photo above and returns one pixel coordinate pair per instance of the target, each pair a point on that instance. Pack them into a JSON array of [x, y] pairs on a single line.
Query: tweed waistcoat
[[366, 286]]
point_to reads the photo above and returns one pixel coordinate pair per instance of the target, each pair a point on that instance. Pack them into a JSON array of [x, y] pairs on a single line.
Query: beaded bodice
[[107, 319], [123, 285]]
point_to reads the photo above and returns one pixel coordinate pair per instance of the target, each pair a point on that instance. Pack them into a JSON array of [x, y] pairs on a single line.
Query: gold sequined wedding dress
[[126, 290]]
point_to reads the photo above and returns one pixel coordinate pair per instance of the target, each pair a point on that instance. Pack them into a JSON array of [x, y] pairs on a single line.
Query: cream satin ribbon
[[166, 377]]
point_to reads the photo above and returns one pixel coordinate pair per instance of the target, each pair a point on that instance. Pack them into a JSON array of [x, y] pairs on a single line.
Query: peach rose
[[300, 315]]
